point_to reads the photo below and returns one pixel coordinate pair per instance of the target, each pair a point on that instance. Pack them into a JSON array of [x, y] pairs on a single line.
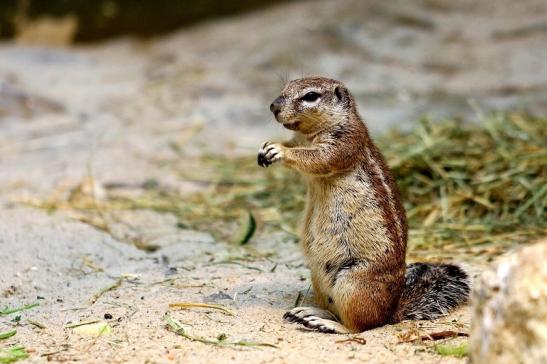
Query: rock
[[509, 323]]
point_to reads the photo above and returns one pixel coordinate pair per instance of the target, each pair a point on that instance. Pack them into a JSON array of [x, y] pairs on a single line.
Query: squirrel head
[[313, 104]]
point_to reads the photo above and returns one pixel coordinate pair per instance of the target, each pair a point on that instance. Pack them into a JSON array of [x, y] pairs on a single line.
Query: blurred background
[[139, 91], [98, 20], [222, 62], [128, 139]]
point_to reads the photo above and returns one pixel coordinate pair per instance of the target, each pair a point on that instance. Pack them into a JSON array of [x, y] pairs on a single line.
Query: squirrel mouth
[[292, 126]]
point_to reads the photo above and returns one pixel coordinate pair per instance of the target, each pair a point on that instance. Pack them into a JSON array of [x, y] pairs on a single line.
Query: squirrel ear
[[341, 94]]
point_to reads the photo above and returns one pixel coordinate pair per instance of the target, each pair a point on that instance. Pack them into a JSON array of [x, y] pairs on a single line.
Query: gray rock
[[509, 323]]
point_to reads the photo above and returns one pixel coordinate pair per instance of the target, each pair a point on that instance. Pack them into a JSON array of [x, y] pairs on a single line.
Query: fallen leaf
[[96, 329]]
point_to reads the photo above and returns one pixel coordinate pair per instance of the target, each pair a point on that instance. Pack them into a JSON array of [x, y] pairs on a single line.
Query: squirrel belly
[[354, 231]]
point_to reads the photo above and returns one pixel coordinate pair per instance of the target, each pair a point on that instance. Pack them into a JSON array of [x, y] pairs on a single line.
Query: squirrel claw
[[268, 154], [262, 160]]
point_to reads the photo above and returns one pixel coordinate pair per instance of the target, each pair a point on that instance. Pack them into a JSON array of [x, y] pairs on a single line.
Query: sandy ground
[[117, 109]]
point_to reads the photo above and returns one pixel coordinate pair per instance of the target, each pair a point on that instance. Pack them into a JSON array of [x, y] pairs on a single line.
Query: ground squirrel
[[354, 232]]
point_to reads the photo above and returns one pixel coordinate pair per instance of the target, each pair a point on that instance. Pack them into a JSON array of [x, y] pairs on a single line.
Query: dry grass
[[469, 189], [472, 189]]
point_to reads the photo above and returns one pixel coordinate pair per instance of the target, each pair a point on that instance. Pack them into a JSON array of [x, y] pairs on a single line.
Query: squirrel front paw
[[270, 153]]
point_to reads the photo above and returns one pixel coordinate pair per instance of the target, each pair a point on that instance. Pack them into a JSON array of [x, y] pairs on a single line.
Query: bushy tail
[[432, 290]]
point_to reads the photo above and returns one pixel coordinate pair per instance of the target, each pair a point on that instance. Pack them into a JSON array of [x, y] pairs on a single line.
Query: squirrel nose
[[275, 107]]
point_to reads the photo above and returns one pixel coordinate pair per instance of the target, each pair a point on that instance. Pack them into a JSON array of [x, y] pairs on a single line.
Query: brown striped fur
[[354, 232]]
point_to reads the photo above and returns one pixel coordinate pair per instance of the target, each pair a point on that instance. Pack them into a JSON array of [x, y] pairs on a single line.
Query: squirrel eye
[[310, 96]]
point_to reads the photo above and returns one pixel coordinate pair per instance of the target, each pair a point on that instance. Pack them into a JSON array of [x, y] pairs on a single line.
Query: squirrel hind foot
[[316, 319], [325, 326]]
